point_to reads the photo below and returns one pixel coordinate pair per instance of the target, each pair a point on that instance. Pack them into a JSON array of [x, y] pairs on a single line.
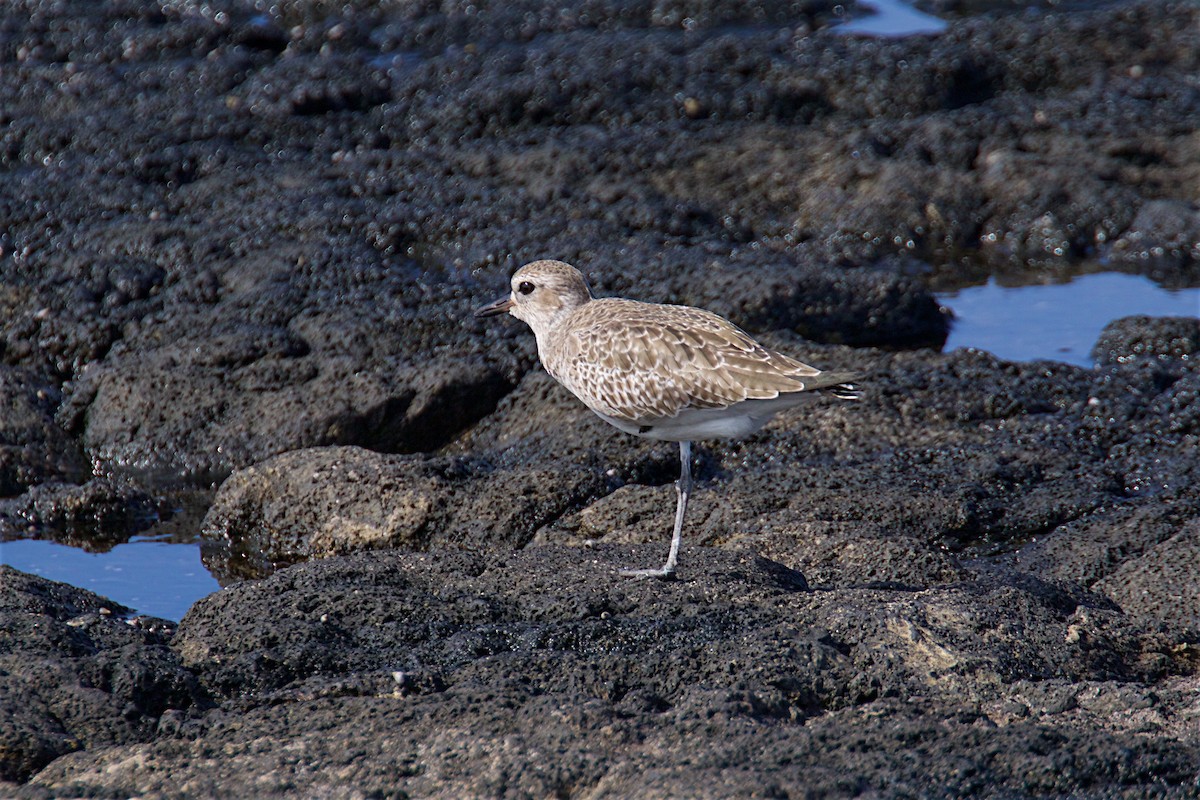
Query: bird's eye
[[525, 287]]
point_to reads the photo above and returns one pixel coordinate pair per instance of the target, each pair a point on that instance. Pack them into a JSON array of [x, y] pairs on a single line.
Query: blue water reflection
[[892, 18], [1057, 321], [158, 578]]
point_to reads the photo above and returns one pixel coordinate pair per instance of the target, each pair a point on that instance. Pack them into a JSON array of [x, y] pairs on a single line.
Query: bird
[[665, 372]]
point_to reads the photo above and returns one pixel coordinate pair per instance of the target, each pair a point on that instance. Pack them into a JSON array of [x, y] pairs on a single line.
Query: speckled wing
[[641, 362]]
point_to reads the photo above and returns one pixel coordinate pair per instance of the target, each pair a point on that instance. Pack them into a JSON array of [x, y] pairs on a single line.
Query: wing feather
[[641, 362]]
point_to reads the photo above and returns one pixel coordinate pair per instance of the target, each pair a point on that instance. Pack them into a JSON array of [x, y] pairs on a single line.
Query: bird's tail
[[846, 391], [837, 384]]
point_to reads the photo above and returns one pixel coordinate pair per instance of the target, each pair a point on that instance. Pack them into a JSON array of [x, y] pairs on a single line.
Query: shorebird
[[673, 373]]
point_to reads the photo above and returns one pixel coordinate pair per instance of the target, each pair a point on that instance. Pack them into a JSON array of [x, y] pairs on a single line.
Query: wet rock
[[76, 672], [1166, 340], [1165, 235], [94, 515], [46, 487]]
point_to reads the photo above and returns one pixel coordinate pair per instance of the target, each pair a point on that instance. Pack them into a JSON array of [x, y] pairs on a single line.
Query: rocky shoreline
[[239, 253]]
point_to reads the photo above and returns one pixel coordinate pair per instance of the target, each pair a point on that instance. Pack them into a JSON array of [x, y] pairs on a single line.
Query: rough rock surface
[[33, 449], [542, 673], [266, 249], [76, 672], [240, 244], [94, 515], [1166, 340]]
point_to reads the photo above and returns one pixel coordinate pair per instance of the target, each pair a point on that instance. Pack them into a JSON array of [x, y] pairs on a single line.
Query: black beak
[[492, 309]]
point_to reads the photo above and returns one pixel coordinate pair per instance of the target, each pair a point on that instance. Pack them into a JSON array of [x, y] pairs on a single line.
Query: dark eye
[[525, 287]]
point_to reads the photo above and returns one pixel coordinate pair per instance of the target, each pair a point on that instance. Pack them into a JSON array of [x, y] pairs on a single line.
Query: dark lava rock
[[283, 257], [439, 674], [77, 673], [33, 447], [1162, 582], [1164, 236], [820, 305], [1171, 341], [1035, 458], [239, 398], [247, 240], [94, 515]]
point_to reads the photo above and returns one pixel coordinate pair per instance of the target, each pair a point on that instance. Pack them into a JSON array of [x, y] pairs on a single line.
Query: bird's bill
[[492, 309]]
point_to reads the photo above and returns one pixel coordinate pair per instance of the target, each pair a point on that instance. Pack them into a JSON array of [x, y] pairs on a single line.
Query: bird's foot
[[662, 573]]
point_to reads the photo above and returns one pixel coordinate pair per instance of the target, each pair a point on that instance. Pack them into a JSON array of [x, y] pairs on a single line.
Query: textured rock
[[449, 674], [216, 308], [1165, 234], [1161, 583], [77, 673], [244, 243], [94, 515], [33, 448], [326, 501], [1167, 340]]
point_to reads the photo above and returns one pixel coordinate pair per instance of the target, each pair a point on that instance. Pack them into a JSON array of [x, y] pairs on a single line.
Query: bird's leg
[[683, 488]]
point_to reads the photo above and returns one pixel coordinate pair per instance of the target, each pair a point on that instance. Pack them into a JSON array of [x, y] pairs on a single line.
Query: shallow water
[[158, 578], [1058, 321], [891, 18]]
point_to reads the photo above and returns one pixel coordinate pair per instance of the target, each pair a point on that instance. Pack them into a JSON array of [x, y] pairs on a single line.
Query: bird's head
[[543, 293]]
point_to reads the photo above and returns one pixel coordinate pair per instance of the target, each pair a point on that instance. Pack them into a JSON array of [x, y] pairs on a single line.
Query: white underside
[[693, 424]]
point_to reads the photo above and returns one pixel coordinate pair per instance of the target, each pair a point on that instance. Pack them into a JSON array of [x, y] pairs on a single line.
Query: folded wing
[[651, 362]]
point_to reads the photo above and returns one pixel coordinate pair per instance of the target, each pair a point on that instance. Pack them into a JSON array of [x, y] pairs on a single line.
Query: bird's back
[[642, 363]]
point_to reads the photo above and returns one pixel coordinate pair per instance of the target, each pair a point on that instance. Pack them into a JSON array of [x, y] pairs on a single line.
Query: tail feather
[[845, 391], [838, 384]]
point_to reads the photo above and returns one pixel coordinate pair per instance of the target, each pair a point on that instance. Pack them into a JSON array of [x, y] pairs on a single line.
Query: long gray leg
[[683, 488]]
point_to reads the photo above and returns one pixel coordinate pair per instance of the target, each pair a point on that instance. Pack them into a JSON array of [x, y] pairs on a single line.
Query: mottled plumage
[[664, 372]]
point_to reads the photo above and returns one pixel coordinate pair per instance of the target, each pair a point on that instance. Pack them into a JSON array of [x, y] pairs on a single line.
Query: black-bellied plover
[[665, 372]]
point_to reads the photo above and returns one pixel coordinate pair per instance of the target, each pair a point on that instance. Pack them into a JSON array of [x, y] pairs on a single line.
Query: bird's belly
[[691, 425]]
